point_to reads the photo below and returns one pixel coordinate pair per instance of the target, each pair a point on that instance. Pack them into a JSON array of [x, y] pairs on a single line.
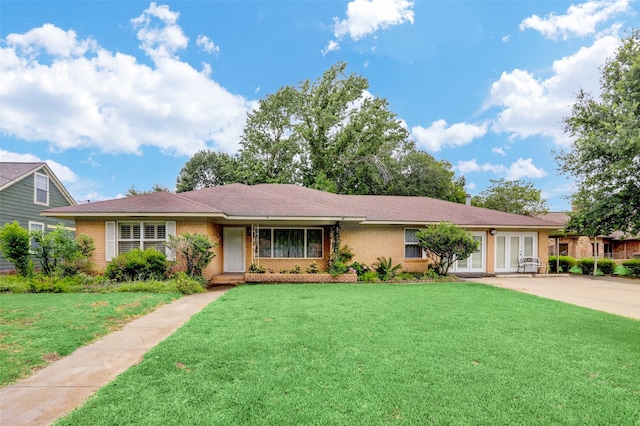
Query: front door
[[233, 241]]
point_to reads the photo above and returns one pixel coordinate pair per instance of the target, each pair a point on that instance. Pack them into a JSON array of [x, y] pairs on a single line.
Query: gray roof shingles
[[292, 201]]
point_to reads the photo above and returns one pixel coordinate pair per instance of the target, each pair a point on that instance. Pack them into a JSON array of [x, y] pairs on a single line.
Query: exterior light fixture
[[493, 231]]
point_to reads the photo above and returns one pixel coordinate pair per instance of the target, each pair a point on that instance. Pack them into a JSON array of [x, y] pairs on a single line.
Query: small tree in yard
[[15, 245], [445, 243], [195, 249], [60, 253]]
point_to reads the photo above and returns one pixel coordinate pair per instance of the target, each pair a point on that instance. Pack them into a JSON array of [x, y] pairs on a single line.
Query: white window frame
[[423, 254], [142, 236], [112, 237], [305, 256], [35, 188], [32, 227]]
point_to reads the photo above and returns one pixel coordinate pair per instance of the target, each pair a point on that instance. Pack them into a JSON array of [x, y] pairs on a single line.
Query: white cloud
[[580, 20], [160, 39], [534, 106], [498, 150], [207, 45], [517, 170], [465, 167], [438, 135], [110, 101], [52, 40], [62, 172], [333, 45], [524, 169], [365, 17]]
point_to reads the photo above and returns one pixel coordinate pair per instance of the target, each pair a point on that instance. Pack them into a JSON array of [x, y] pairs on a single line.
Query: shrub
[[188, 285], [360, 268], [257, 269], [313, 268], [338, 268], [195, 249], [296, 270], [566, 263], [385, 268], [61, 254], [15, 246], [633, 266], [445, 243], [369, 277], [605, 266], [149, 264]]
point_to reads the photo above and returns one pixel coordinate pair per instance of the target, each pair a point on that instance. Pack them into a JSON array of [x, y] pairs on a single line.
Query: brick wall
[[96, 230], [370, 242]]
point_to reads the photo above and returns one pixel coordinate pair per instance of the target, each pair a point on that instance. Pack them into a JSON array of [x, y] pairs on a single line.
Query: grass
[[38, 328], [375, 354]]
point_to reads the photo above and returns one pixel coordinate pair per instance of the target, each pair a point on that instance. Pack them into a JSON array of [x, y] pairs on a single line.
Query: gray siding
[[17, 203]]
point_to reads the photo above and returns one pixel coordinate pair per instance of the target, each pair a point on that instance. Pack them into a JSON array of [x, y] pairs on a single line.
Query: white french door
[[475, 262], [509, 246]]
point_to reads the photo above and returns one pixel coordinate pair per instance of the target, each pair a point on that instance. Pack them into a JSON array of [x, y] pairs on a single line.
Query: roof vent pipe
[[468, 199]]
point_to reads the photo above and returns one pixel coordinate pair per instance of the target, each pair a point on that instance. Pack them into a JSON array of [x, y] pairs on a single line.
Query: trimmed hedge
[[633, 266], [605, 266], [566, 263]]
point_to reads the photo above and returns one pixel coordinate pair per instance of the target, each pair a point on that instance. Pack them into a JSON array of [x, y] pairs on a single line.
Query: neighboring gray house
[[26, 189]]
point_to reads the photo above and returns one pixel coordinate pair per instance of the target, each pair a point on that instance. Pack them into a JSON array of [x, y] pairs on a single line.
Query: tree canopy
[[446, 243], [512, 196], [329, 134], [604, 157]]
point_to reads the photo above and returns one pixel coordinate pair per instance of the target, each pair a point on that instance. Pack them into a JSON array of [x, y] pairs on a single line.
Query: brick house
[[280, 226], [618, 246]]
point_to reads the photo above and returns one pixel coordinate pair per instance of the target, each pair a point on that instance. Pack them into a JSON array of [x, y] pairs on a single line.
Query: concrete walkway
[[618, 296], [65, 384]]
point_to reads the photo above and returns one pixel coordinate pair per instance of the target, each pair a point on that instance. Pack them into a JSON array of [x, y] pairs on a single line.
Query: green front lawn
[[375, 354], [39, 328]]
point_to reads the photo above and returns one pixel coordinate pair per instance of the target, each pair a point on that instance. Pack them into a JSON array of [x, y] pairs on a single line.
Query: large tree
[[329, 134], [604, 157], [512, 196]]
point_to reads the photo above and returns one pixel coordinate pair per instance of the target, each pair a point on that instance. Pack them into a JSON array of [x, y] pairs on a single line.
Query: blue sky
[[115, 94]]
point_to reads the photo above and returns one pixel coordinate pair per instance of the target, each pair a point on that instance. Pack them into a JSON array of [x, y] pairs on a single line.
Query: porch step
[[227, 279]]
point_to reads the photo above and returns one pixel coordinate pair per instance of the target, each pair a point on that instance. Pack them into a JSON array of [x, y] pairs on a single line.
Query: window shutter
[[110, 240], [171, 230]]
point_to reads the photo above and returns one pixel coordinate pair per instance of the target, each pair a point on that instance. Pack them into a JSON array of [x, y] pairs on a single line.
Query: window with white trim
[[142, 235], [41, 189], [290, 243], [412, 249], [35, 226]]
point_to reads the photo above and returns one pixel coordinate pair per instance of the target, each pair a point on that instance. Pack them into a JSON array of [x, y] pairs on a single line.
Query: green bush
[[195, 249], [14, 284], [15, 245], [360, 268], [605, 266], [254, 268], [369, 277], [313, 268], [188, 285], [633, 266], [386, 269], [149, 264], [566, 263]]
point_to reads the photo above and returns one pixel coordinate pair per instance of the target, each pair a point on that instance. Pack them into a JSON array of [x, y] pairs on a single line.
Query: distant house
[[26, 189], [617, 246], [281, 226]]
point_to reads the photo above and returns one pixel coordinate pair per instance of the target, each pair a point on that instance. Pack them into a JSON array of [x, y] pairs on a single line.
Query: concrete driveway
[[614, 295]]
